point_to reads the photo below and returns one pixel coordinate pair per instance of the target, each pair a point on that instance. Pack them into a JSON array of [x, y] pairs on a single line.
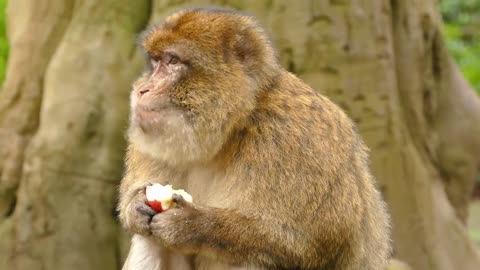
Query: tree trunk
[[384, 62], [77, 59], [21, 97]]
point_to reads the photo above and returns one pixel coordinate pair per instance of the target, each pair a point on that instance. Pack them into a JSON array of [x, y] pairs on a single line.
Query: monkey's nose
[[143, 91]]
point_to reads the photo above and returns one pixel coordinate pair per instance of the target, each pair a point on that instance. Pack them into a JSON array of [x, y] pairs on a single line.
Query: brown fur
[[284, 182]]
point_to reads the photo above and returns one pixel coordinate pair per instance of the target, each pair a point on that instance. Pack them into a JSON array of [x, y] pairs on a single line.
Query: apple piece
[[160, 197], [184, 194], [156, 205]]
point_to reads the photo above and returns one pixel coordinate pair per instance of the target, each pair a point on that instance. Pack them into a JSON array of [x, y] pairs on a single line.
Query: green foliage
[[3, 39], [462, 21], [461, 12]]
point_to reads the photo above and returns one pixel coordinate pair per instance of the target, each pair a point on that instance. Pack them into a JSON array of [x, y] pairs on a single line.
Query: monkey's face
[[151, 102], [196, 89], [160, 123]]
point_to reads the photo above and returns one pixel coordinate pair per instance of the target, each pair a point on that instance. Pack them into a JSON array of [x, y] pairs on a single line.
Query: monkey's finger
[[146, 210], [141, 189], [180, 201]]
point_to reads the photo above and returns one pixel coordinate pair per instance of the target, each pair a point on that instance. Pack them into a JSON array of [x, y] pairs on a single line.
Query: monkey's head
[[205, 69]]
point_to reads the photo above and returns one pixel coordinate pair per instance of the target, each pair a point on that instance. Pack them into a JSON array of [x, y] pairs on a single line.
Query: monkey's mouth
[[154, 119], [145, 112], [145, 117]]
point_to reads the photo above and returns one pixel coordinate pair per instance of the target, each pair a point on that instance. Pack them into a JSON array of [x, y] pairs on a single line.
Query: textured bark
[[384, 62], [36, 29], [76, 59]]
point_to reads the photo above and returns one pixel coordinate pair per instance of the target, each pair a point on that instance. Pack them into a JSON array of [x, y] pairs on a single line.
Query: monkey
[[279, 173]]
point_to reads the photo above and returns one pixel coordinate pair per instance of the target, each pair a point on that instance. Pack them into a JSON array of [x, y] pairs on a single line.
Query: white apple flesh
[[159, 197]]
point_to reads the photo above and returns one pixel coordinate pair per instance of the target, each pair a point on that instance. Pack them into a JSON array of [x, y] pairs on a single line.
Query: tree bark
[[36, 29], [384, 62], [86, 56]]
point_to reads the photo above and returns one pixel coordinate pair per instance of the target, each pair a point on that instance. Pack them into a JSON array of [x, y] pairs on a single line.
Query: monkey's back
[[298, 140]]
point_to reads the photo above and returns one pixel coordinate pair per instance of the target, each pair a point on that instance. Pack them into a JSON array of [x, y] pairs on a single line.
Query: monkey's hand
[[177, 228], [138, 214]]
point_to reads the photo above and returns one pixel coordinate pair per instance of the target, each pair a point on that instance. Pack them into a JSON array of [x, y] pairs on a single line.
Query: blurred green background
[[3, 39], [462, 30], [462, 24]]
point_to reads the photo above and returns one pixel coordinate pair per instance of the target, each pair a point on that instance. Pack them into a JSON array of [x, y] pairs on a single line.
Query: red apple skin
[[156, 205]]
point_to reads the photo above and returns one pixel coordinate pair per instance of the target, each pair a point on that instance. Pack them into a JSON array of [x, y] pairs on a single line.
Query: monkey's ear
[[254, 50], [248, 48]]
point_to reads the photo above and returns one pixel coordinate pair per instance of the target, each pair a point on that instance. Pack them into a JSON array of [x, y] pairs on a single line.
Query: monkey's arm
[[233, 236]]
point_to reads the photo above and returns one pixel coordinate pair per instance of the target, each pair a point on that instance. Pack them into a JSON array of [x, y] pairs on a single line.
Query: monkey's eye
[[173, 60]]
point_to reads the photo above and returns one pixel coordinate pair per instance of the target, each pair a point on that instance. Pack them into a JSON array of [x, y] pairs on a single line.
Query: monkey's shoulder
[[293, 106], [296, 129]]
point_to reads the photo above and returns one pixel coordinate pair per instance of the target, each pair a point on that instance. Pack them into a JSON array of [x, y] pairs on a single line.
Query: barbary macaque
[[278, 173]]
